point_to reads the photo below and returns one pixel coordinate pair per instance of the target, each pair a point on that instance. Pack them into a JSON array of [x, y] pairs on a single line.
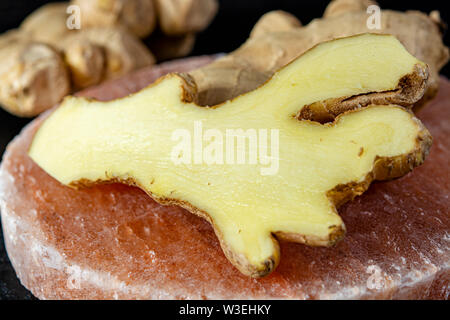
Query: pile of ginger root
[[277, 38], [63, 47]]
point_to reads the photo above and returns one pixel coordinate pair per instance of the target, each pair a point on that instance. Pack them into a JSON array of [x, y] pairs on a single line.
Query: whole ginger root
[[246, 68], [93, 54], [33, 75], [107, 45]]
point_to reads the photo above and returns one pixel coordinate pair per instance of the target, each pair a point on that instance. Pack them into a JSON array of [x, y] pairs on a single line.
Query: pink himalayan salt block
[[114, 242]]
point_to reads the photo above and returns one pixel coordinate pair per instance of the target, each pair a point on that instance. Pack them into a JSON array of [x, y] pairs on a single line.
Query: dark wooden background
[[230, 28]]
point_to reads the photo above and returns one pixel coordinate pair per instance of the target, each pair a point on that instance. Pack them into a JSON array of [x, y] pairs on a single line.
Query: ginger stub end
[[248, 210]]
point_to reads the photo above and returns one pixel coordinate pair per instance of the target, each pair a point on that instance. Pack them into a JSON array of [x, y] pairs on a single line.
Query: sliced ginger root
[[277, 39], [313, 168]]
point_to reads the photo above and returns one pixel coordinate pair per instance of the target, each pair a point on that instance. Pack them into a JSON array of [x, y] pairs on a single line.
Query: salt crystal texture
[[114, 242]]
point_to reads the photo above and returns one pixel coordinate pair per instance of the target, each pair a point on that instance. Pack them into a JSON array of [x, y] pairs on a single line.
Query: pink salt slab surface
[[114, 242]]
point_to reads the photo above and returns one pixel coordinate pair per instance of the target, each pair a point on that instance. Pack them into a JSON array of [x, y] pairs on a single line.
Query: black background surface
[[230, 28]]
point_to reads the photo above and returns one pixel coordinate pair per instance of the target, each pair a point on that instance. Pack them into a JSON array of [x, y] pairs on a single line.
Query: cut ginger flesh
[[283, 189]]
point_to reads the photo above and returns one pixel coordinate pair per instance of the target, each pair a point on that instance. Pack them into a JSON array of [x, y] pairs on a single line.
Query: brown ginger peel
[[314, 168], [62, 59]]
